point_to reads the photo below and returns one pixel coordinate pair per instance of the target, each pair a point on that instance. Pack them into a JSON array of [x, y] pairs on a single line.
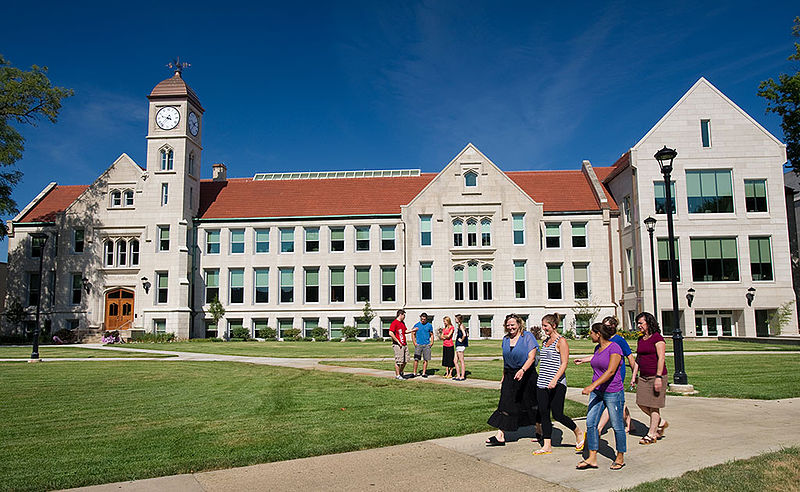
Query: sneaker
[[401, 378]]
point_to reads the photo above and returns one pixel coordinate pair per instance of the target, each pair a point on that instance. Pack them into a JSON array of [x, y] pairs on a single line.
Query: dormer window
[[166, 159], [470, 179], [116, 198]]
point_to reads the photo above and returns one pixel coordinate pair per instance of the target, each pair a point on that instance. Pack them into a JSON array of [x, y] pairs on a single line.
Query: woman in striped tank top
[[551, 385]]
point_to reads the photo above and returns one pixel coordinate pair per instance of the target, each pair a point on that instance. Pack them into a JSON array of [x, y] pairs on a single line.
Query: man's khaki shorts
[[400, 354]]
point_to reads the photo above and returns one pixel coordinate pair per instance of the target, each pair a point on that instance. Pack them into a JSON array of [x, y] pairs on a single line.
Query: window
[[714, 260], [134, 245], [283, 325], [626, 209], [37, 244], [78, 236], [519, 279], [518, 224], [166, 159], [287, 284], [755, 195], [554, 281], [336, 325], [458, 278], [128, 196], [581, 280], [387, 238], [362, 284], [472, 232], [486, 232], [709, 191], [552, 235], [163, 238], [705, 132], [122, 253], [579, 234], [212, 242], [470, 179], [212, 285], [487, 282], [192, 170], [426, 280], [362, 238], [387, 284], [661, 196], [309, 325], [116, 198], [259, 327], [211, 329], [629, 257], [34, 288], [261, 281], [337, 284], [262, 240], [108, 252], [425, 230], [162, 287], [287, 240], [237, 241], [159, 326], [386, 323], [760, 258], [312, 284], [485, 326], [458, 233], [164, 193], [363, 328], [472, 280], [77, 285], [236, 286], [312, 239], [337, 238], [663, 261]]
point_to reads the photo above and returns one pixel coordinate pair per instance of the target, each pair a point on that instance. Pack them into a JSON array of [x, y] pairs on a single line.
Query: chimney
[[220, 172]]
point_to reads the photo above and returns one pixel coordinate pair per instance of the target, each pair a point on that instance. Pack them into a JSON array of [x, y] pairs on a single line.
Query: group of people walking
[[455, 340], [528, 397]]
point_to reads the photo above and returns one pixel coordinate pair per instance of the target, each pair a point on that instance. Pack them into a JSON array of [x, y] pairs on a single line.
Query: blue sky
[[385, 85]]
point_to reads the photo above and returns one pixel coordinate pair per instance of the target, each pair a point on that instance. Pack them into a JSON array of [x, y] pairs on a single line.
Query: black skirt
[[517, 407], [448, 357]]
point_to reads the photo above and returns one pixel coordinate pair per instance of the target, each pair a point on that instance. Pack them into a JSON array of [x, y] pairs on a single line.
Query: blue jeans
[[599, 401]]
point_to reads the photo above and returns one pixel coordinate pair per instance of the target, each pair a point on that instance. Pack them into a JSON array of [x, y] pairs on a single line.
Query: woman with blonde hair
[[448, 352], [462, 342]]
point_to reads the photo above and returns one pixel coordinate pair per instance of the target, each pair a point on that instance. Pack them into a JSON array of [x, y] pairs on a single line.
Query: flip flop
[[492, 441], [617, 466], [583, 465], [660, 430], [540, 452], [647, 440], [579, 446]]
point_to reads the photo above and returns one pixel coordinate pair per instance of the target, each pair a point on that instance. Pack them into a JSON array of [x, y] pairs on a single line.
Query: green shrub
[[66, 336], [291, 334], [240, 332], [15, 339], [377, 339], [336, 339], [350, 333], [215, 339], [307, 339], [629, 335], [154, 337], [319, 333], [267, 333]]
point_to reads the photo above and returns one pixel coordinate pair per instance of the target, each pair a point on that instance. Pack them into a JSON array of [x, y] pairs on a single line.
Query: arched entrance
[[119, 309]]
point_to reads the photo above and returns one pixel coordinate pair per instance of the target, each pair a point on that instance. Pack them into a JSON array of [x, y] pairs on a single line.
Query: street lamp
[[650, 223], [43, 237], [751, 294], [665, 157]]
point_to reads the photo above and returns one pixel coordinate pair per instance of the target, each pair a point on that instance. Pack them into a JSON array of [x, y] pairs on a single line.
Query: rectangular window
[[472, 232], [755, 195], [631, 271], [163, 238], [760, 258], [287, 284], [212, 242], [134, 245], [362, 284], [581, 280], [661, 196], [518, 221], [705, 132], [337, 284], [336, 325], [386, 323], [212, 285], [261, 280], [579, 235], [714, 260], [77, 240], [237, 241], [34, 288], [458, 233], [663, 260], [554, 281], [486, 232], [312, 239], [337, 238], [458, 278], [362, 238], [519, 279], [37, 244], [77, 284], [312, 284], [122, 253], [236, 286], [260, 327], [262, 240], [552, 235], [387, 238], [283, 325], [287, 240], [426, 280], [164, 193], [425, 230], [211, 329], [709, 191], [388, 284], [472, 281], [309, 325], [162, 287], [487, 283], [626, 209], [485, 326], [159, 326]]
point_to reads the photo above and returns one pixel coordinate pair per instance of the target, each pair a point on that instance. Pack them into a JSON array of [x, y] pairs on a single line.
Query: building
[[147, 249]]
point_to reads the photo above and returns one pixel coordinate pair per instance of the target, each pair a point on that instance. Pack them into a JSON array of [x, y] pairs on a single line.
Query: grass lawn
[[67, 424], [732, 376], [56, 352], [778, 471]]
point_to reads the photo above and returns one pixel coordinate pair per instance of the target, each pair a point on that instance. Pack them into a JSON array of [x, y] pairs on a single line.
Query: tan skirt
[[646, 395]]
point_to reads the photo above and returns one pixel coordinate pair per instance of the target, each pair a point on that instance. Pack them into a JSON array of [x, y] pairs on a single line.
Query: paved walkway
[[703, 432]]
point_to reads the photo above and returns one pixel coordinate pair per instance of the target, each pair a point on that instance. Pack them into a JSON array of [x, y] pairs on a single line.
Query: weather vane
[[178, 65]]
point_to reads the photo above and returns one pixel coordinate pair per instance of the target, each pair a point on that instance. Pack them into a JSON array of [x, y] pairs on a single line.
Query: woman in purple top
[[605, 392], [651, 367]]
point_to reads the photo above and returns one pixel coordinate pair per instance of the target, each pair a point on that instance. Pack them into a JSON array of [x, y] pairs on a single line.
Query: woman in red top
[[448, 350], [651, 369]]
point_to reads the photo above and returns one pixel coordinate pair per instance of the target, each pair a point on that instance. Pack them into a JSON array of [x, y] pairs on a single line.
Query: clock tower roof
[[173, 87]]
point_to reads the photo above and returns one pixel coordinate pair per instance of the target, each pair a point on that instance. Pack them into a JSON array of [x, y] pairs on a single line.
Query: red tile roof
[[55, 201], [559, 191], [623, 162]]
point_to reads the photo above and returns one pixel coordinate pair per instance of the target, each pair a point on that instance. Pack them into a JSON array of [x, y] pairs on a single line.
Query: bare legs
[[460, 371]]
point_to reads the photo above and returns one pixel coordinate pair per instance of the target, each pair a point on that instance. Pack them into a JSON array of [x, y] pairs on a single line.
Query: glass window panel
[[212, 278], [554, 273], [337, 276], [312, 277], [337, 234], [581, 273], [728, 248], [724, 185], [287, 277], [427, 272], [362, 276], [237, 278], [458, 273], [487, 274], [262, 277], [387, 232], [387, 276], [698, 249], [362, 233], [578, 228], [312, 234], [519, 270], [692, 183], [472, 273]]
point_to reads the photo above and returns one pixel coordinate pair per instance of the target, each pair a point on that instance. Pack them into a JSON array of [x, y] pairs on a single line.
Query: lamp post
[[43, 237], [650, 223], [665, 157]]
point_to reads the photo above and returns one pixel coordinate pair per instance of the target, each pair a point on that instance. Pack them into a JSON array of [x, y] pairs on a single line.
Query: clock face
[[194, 124], [167, 118]]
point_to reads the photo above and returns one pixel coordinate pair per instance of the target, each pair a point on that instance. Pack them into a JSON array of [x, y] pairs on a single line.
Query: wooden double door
[[119, 309]]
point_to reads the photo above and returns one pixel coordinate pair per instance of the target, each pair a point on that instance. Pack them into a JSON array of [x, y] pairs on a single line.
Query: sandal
[[584, 465], [660, 430], [493, 441], [617, 466], [579, 445], [539, 452], [647, 440]]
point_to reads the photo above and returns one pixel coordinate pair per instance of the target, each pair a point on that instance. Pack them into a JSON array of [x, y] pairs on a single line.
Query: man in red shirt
[[397, 331]]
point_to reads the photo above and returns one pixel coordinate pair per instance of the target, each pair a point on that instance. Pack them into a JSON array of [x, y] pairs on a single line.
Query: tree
[[216, 311], [585, 313], [783, 98], [25, 99], [367, 314]]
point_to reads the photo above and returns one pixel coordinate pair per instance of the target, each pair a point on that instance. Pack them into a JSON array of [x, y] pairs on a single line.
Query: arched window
[[487, 282], [472, 232], [122, 253], [458, 281], [472, 280], [470, 179], [108, 250], [166, 159], [128, 196], [458, 232], [486, 232], [116, 198], [134, 245]]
